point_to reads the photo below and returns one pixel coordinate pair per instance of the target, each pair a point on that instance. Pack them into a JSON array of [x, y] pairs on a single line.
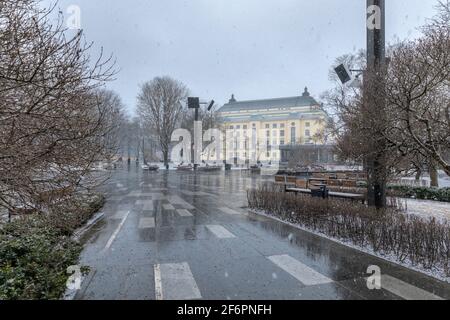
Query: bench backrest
[[301, 183], [349, 183]]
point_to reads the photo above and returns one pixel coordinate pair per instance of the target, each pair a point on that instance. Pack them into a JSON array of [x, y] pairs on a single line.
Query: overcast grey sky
[[252, 48]]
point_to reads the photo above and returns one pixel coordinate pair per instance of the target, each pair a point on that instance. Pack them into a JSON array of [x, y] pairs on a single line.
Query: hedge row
[[424, 193], [36, 250], [424, 243]]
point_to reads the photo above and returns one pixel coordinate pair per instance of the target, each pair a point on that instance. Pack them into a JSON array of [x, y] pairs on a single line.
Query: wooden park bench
[[331, 194]]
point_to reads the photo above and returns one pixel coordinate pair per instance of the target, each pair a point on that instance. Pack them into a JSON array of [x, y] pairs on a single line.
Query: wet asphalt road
[[181, 235]]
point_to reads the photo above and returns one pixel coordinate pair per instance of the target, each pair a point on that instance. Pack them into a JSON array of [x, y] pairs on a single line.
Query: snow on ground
[[444, 180], [428, 209]]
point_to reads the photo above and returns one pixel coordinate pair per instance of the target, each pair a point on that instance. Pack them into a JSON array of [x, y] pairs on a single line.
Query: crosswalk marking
[[220, 232], [298, 270], [406, 290], [174, 281], [184, 213], [179, 201], [168, 207], [229, 211], [146, 204], [146, 223], [157, 196], [134, 193]]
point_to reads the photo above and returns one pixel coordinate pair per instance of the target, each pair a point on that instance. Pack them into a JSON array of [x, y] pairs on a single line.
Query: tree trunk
[[418, 174], [434, 178], [166, 158]]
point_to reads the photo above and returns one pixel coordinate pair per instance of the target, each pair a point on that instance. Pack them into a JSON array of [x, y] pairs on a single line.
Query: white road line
[[175, 282], [134, 194], [116, 232], [146, 223], [168, 207], [184, 213], [298, 270], [220, 232], [158, 284], [229, 211], [406, 290], [119, 214]]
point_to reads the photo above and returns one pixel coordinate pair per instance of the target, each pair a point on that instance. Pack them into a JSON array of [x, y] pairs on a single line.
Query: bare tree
[[54, 122], [160, 107], [418, 93]]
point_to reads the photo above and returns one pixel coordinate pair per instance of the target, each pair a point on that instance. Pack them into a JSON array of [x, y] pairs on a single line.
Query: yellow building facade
[[272, 123]]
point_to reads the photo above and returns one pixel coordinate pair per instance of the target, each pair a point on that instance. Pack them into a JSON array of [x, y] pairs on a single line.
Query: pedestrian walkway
[[168, 245]]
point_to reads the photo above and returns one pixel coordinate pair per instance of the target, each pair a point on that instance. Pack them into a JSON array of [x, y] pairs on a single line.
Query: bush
[[424, 193], [33, 259], [35, 252], [389, 231]]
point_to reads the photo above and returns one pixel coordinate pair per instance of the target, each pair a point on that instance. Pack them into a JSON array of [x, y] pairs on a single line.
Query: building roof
[[304, 100], [277, 117]]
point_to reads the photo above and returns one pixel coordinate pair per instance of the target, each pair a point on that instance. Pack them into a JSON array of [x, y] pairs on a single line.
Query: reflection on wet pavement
[[181, 235]]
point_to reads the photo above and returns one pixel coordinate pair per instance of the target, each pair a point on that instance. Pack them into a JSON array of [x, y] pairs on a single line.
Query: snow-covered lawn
[[428, 208], [444, 181]]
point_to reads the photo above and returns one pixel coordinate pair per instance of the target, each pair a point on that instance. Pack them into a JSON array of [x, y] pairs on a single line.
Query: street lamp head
[[343, 73], [193, 102], [211, 105]]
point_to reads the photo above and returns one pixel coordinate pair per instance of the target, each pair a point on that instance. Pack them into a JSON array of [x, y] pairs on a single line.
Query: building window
[[274, 125], [282, 142], [238, 127], [293, 134], [307, 133], [267, 126], [281, 125], [281, 133], [274, 133], [254, 125], [293, 124], [231, 127], [244, 127], [267, 133], [307, 124]]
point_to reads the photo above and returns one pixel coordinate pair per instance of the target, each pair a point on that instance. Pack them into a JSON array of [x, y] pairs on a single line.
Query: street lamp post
[[374, 100]]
